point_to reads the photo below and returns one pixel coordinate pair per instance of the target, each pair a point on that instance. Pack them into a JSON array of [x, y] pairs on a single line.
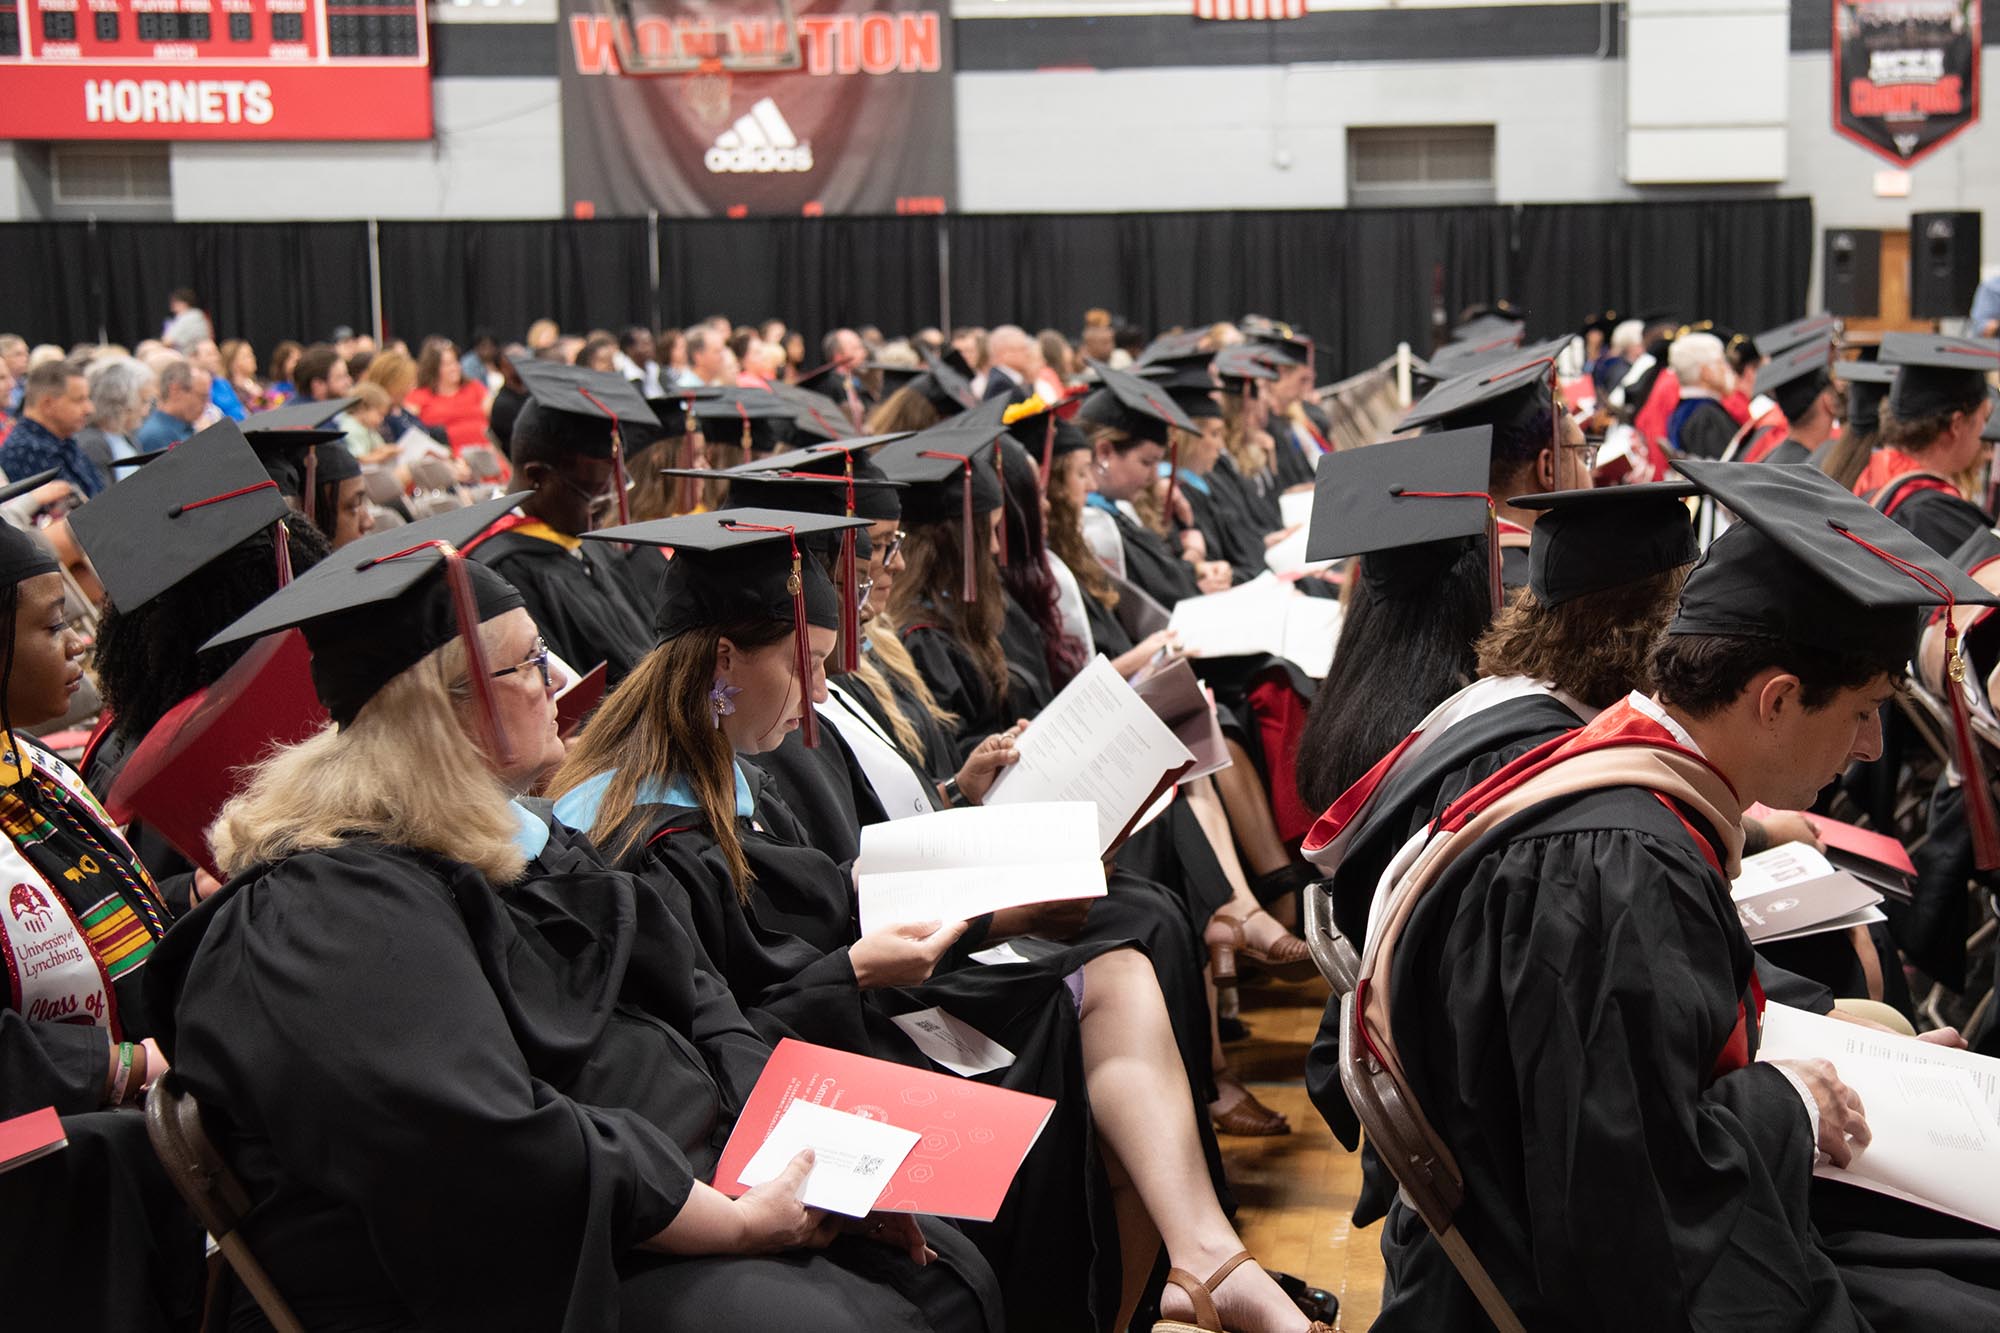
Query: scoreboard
[[214, 69]]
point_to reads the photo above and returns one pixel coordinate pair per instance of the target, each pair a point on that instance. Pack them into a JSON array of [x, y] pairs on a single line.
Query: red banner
[[217, 69], [1905, 74]]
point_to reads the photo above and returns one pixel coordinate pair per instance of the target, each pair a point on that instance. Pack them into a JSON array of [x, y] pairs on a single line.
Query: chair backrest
[[383, 487], [485, 464], [433, 474], [1332, 953], [386, 518], [212, 1191]]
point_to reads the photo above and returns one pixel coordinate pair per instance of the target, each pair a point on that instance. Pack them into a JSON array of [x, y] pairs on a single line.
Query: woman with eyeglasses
[[656, 780], [474, 1079]]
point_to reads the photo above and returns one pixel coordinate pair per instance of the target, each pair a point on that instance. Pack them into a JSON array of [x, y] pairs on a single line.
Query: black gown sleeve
[[51, 1064], [1942, 522], [957, 685], [338, 1011]]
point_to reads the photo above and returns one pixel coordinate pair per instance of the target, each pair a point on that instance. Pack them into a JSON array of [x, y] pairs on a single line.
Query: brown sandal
[[1202, 1296], [1248, 1118], [1288, 960]]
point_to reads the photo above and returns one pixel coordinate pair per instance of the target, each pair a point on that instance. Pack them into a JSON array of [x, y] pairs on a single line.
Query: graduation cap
[[300, 414], [1238, 364], [745, 565], [1505, 395], [22, 554], [948, 386], [1590, 540], [167, 522], [837, 480], [1812, 565], [1178, 347], [584, 398], [755, 415], [1491, 327], [1462, 358], [1775, 342], [826, 381], [814, 415], [1798, 375], [140, 460], [1406, 506], [947, 475], [1286, 345], [286, 440], [1143, 410], [1188, 380], [1939, 374], [382, 604], [894, 376], [1868, 384]]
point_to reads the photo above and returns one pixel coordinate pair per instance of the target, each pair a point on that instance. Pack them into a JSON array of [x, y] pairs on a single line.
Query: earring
[[721, 700]]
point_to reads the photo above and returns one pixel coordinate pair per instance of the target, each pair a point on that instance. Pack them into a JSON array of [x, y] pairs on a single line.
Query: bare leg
[[1139, 1099], [1138, 1239], [1262, 931], [1250, 814]]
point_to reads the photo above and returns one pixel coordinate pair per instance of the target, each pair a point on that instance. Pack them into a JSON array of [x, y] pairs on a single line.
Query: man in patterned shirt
[[54, 407]]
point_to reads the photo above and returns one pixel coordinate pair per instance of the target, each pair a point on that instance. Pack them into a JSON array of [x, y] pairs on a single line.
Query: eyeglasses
[[894, 548], [539, 661], [861, 591]]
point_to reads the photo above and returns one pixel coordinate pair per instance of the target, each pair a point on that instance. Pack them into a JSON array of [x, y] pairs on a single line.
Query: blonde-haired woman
[[470, 1093]]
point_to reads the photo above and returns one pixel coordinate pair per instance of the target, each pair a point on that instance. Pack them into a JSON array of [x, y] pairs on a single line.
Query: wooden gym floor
[[1296, 1191]]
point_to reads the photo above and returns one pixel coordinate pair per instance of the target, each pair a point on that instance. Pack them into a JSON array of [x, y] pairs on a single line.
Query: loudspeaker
[[1851, 272], [1944, 264]]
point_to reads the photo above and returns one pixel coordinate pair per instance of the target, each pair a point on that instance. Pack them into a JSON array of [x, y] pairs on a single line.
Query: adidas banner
[[1905, 74], [847, 110]]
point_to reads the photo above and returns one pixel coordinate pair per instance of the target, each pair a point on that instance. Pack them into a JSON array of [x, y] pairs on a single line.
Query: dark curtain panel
[[54, 290], [816, 274], [1397, 263], [1745, 264], [460, 278], [261, 281]]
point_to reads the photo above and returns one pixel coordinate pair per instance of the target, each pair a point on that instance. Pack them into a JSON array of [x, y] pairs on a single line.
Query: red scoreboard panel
[[214, 69]]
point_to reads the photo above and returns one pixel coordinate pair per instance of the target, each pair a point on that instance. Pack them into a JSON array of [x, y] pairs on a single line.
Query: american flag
[[1249, 9]]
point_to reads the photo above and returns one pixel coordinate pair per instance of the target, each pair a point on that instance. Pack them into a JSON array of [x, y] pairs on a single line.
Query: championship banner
[[757, 107], [215, 69], [1905, 73]]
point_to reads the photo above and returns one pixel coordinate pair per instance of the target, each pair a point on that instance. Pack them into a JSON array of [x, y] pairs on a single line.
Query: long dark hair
[[149, 659], [1026, 574], [927, 592], [1402, 652]]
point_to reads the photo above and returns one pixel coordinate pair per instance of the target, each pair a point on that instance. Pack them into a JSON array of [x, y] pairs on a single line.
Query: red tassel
[[1493, 556], [1173, 472], [467, 606], [617, 453], [1000, 476], [850, 605], [1979, 814], [969, 589], [309, 500], [1048, 449], [802, 655], [282, 547]]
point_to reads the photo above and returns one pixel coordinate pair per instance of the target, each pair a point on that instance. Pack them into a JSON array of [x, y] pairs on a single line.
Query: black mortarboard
[[301, 414], [1407, 507], [756, 418], [744, 565], [167, 522], [1782, 339], [599, 395], [1868, 384], [1137, 406], [1796, 376], [1286, 345], [1462, 358], [894, 376], [140, 460], [822, 380], [1501, 390], [670, 415], [1939, 374], [1177, 347], [829, 457], [1588, 541], [1814, 566], [948, 388], [814, 415], [386, 602], [1188, 380], [1238, 364], [22, 554], [1799, 567], [1490, 327], [949, 472]]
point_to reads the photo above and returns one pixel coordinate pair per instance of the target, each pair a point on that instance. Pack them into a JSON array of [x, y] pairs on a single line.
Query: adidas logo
[[760, 141]]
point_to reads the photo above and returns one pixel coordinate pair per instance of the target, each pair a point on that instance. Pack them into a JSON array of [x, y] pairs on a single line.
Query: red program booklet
[[1875, 858], [30, 1136], [974, 1135]]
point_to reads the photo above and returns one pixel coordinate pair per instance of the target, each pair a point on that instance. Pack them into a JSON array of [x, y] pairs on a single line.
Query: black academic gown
[[1707, 430], [1258, 494], [1617, 1175], [939, 759], [1029, 685], [1151, 564], [1791, 451], [499, 1094], [1227, 529], [1941, 520], [784, 953], [959, 686], [580, 601]]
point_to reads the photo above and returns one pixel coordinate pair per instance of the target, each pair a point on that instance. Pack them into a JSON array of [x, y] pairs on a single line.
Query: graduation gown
[[784, 953], [960, 687], [502, 1094], [1227, 529], [939, 758], [1931, 508], [579, 600], [1258, 494], [1029, 685], [1701, 428], [1149, 562]]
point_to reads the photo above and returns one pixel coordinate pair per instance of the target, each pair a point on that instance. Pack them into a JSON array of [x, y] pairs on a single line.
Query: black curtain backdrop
[[264, 281], [459, 278], [1358, 280]]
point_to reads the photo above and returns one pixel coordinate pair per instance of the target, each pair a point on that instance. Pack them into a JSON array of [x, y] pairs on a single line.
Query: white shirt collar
[[1651, 708]]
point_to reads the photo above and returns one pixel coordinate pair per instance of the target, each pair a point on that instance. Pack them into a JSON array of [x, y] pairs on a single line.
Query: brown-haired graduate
[[1587, 1058], [91, 1237], [746, 623], [469, 1093], [1930, 439], [566, 449]]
